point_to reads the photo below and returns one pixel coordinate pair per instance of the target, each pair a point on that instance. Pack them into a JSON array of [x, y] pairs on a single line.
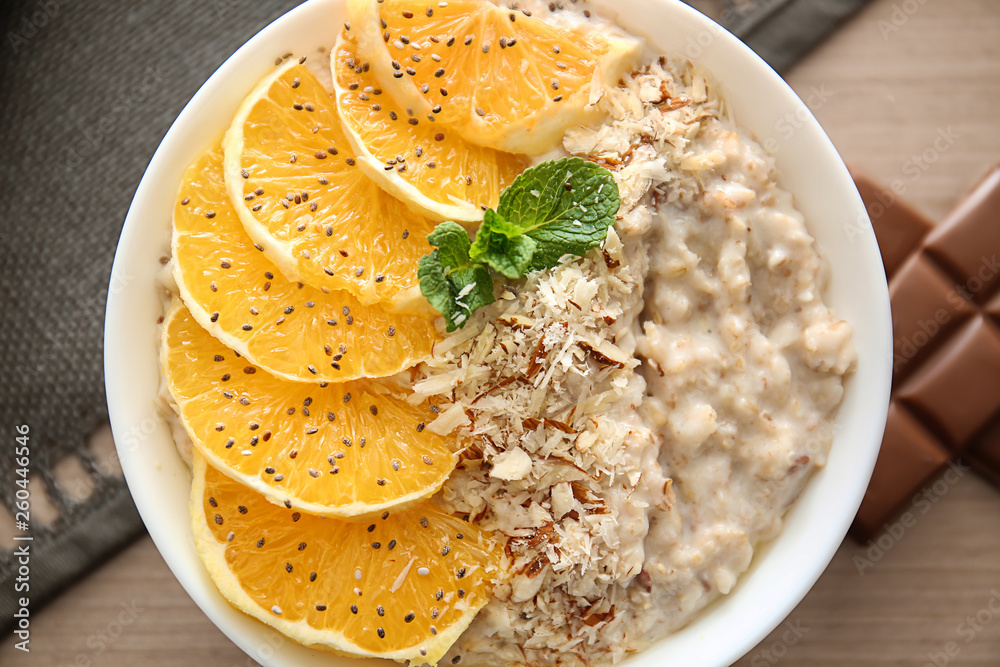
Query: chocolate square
[[984, 455], [899, 228], [967, 243], [926, 307], [958, 389], [993, 309], [909, 457]]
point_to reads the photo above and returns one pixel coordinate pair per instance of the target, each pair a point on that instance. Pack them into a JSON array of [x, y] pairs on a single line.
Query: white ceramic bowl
[[782, 571]]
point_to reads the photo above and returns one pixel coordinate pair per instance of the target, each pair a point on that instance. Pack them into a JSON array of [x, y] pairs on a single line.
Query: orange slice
[[402, 587], [296, 185], [291, 330], [346, 449], [429, 167], [500, 77]]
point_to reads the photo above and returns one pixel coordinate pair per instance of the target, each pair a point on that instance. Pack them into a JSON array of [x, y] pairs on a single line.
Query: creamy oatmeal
[[639, 419]]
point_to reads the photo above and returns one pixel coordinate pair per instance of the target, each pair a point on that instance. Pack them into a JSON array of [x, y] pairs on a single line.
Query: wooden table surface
[[899, 75]]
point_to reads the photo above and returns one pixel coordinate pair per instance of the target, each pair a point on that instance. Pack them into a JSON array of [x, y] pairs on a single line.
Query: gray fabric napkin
[[782, 31], [88, 91]]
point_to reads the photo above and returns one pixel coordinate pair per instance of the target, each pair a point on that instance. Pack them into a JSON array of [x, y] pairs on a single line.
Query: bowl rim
[[692, 642]]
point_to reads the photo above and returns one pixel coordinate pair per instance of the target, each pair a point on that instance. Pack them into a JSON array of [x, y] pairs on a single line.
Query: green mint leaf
[[503, 246], [471, 288], [453, 284], [453, 244], [564, 206], [434, 284]]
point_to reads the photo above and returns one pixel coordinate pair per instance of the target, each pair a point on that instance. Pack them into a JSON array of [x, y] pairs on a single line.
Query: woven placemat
[[89, 89]]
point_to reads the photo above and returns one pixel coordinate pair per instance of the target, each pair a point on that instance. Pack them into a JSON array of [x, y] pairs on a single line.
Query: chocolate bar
[[944, 285]]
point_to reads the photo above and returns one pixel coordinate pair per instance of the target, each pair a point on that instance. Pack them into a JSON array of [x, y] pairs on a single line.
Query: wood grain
[[894, 81]]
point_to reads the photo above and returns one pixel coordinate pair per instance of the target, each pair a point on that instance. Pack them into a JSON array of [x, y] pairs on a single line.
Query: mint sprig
[[503, 245], [557, 208], [452, 283], [565, 206]]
